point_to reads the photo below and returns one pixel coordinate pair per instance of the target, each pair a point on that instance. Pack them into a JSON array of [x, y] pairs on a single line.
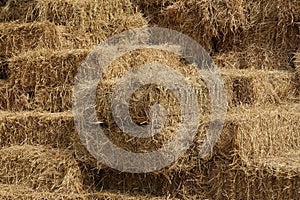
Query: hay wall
[[36, 83], [239, 137]]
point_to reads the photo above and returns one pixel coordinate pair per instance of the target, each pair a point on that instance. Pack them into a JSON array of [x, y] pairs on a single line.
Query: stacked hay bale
[[38, 70], [40, 149], [250, 34]]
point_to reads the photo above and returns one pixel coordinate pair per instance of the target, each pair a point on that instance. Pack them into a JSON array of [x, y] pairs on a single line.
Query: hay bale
[[34, 128], [233, 182], [44, 68], [57, 99], [212, 20], [273, 22], [270, 25], [40, 168], [255, 87], [266, 131], [41, 128], [19, 38], [103, 18], [252, 57], [15, 99], [170, 185], [16, 38]]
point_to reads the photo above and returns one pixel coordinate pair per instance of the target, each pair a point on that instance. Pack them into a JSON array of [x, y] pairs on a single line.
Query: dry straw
[[40, 168], [46, 79], [205, 21], [14, 99]]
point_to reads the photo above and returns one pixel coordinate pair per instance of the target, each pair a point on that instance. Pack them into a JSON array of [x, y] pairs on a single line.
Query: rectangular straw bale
[[55, 130], [228, 181], [40, 168], [185, 184], [258, 86], [271, 24], [16, 38], [57, 99], [146, 96], [205, 21], [42, 128], [267, 131], [15, 99], [44, 68], [19, 38], [252, 57], [159, 184], [103, 18]]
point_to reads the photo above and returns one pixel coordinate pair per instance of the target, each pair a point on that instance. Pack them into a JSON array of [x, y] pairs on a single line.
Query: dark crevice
[[243, 92], [3, 3], [3, 69], [31, 94]]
